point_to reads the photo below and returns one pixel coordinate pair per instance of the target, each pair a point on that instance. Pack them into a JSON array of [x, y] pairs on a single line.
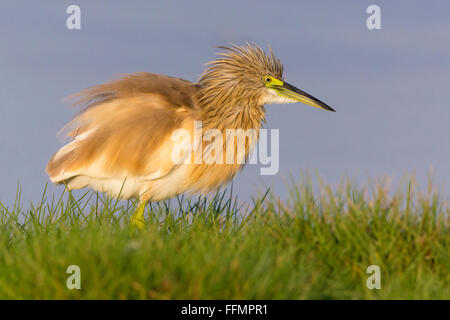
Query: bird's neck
[[236, 116]]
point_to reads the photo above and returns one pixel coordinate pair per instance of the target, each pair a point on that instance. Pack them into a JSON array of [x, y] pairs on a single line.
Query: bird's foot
[[138, 219], [138, 222]]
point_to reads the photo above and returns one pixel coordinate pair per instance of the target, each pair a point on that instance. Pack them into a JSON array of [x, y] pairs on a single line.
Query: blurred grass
[[317, 245]]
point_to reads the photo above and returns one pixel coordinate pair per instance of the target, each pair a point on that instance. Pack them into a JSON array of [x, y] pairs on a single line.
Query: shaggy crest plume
[[238, 68]]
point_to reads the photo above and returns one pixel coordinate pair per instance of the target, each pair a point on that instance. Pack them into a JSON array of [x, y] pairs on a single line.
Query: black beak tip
[[310, 97], [327, 107]]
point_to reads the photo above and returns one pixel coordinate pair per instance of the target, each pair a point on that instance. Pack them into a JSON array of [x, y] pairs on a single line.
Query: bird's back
[[123, 133]]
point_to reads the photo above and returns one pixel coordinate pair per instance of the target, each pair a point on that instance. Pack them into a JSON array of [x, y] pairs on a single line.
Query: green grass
[[317, 245]]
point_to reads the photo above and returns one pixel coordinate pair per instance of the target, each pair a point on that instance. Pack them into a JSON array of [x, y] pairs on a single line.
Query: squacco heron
[[122, 141]]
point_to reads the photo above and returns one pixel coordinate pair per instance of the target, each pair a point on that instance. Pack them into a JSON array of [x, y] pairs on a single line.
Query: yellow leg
[[138, 217]]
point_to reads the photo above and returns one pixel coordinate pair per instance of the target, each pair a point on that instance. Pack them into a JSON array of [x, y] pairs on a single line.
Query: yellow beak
[[284, 89]]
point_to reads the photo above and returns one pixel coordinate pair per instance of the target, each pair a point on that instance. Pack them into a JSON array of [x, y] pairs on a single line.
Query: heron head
[[247, 72]]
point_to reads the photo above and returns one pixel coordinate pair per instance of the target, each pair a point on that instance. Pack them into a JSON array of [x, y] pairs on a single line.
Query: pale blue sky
[[389, 86]]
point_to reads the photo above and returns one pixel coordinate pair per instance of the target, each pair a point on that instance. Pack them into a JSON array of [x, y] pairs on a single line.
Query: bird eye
[[267, 79]]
